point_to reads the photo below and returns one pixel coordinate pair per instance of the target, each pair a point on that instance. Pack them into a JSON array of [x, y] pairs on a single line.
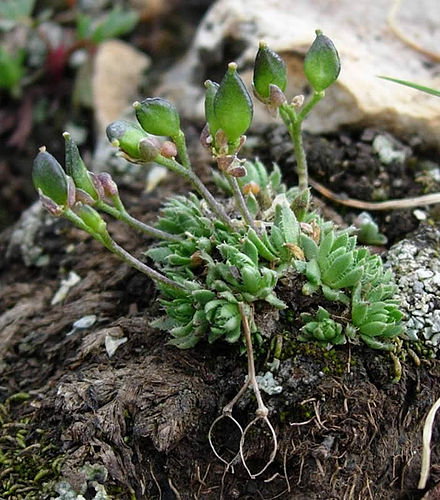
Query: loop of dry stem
[[274, 449], [225, 414]]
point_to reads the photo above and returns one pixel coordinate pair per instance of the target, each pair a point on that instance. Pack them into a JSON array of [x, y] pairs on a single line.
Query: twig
[[417, 201], [426, 453], [401, 35]]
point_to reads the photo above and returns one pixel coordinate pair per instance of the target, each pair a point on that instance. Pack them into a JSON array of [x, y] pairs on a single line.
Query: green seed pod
[[76, 168], [322, 64], [211, 91], [49, 177], [126, 135], [269, 69], [158, 117], [233, 105], [92, 219]]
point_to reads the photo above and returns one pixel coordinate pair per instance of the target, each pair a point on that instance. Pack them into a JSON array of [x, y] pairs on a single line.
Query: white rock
[[366, 44]]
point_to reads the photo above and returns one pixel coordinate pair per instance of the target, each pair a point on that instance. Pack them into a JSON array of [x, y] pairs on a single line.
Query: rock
[[366, 44], [416, 265], [116, 78], [114, 88]]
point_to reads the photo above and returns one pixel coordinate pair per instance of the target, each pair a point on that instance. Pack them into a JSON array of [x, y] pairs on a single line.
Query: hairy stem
[[293, 123], [111, 245], [191, 177], [241, 203], [180, 143], [121, 214]]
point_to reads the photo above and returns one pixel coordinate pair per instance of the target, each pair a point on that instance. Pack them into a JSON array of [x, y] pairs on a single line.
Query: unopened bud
[[97, 185], [108, 184], [196, 259], [149, 148], [168, 149], [276, 96], [212, 122], [298, 101], [83, 197]]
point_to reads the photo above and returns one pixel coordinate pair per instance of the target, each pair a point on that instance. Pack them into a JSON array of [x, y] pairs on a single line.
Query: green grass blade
[[413, 85]]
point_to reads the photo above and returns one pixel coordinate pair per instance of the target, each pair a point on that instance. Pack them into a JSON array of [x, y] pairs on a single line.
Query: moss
[[28, 459]]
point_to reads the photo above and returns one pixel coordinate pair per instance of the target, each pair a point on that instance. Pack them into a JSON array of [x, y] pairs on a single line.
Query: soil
[[136, 424], [345, 429]]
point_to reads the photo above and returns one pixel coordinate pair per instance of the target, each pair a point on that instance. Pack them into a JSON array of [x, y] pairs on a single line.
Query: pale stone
[[366, 44], [116, 77]]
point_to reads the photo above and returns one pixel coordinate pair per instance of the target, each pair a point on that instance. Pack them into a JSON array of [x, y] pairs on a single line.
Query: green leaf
[[325, 247], [117, 23], [350, 279], [262, 248], [159, 254], [373, 329], [377, 344], [285, 219], [275, 178], [309, 246], [15, 12], [11, 70], [337, 269], [186, 342], [249, 249], [251, 279], [252, 205], [202, 296]]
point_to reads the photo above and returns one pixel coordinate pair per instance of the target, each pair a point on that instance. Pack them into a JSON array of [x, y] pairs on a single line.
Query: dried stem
[[426, 454], [417, 201]]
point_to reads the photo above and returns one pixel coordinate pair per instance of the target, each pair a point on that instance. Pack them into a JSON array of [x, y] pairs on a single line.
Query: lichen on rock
[[416, 264]]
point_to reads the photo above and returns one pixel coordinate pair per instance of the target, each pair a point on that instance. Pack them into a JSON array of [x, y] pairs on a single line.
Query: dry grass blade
[[426, 453]]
